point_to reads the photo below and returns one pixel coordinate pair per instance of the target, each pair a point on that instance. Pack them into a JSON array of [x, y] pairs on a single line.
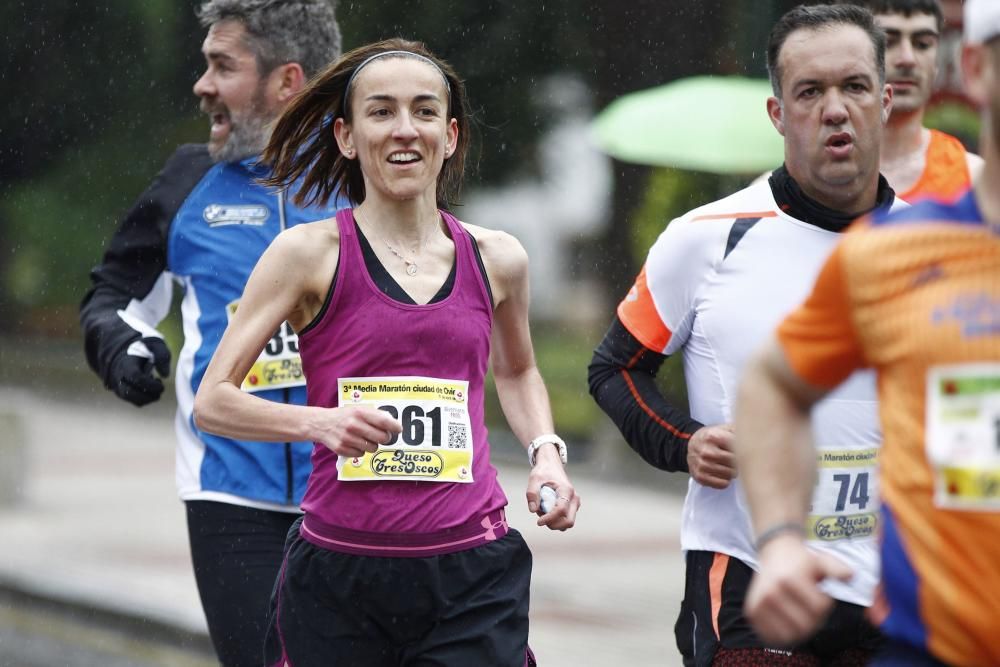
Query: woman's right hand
[[353, 430]]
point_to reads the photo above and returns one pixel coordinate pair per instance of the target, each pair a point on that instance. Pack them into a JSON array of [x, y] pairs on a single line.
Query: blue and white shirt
[[203, 225]]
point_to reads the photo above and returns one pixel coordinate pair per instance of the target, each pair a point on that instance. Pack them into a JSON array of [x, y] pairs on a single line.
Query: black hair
[[818, 17], [905, 7]]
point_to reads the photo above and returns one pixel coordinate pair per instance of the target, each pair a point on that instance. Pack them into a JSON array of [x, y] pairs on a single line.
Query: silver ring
[[563, 498]]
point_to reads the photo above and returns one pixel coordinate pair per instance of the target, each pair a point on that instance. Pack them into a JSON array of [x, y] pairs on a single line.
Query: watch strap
[[548, 438]]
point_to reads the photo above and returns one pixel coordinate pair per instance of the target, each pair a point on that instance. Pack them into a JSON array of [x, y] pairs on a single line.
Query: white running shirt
[[715, 285]]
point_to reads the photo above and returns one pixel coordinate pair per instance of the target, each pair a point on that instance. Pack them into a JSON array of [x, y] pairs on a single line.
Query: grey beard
[[247, 138]]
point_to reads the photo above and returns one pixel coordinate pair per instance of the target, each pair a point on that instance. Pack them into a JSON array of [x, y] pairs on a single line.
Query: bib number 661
[[415, 421]]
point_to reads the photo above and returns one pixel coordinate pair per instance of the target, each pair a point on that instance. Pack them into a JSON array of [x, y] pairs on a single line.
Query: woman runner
[[403, 555]]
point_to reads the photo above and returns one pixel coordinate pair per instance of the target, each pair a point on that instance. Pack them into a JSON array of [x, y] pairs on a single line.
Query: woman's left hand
[[549, 471]]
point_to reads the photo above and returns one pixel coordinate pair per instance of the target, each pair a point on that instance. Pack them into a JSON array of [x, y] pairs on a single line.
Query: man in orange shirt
[[916, 296], [918, 162]]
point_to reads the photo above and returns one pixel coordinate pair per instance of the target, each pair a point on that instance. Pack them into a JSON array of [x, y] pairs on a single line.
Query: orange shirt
[[916, 296], [946, 172]]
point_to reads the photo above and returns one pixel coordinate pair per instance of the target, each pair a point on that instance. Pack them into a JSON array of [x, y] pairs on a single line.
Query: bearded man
[[203, 224]]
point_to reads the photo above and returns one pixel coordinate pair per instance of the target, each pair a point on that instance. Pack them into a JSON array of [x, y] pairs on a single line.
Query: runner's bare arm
[[285, 285], [773, 441], [522, 392], [520, 387], [775, 453]]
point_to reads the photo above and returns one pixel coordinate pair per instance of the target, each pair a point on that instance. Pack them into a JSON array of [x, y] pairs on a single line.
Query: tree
[[94, 94], [98, 95]]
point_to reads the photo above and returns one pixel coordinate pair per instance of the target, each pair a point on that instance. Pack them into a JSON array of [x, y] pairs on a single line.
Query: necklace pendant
[[411, 269]]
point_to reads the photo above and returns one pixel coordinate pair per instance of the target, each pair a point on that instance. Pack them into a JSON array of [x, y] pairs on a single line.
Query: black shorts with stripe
[[712, 630], [464, 608]]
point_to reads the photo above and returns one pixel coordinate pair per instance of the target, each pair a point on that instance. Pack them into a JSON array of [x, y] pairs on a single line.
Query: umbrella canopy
[[717, 124]]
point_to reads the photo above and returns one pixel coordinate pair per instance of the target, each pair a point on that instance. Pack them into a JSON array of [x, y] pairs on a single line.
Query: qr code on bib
[[457, 436]]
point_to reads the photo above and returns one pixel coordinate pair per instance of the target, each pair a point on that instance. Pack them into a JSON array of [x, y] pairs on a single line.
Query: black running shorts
[[712, 630], [464, 608]]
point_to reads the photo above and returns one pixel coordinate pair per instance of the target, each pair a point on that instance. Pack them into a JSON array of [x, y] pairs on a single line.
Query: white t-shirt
[[715, 285]]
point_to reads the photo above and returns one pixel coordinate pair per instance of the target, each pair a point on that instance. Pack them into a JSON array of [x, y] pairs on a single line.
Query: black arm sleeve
[[622, 378], [136, 257]]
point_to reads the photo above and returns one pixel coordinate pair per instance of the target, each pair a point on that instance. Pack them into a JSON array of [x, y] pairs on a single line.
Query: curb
[[90, 612]]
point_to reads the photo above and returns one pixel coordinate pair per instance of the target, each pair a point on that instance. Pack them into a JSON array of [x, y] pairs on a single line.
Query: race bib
[[963, 435], [436, 442], [845, 501], [279, 364]]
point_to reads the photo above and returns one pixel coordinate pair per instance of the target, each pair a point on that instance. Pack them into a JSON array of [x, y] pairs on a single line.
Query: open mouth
[[219, 121], [840, 145], [404, 157], [840, 140]]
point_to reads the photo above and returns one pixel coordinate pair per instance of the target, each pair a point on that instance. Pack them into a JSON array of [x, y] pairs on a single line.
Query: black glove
[[131, 373]]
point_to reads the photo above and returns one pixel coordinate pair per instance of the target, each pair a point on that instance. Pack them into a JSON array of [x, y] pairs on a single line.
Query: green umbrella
[[706, 123]]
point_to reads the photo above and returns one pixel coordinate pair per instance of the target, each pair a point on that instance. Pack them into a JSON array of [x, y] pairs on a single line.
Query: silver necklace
[[411, 265]]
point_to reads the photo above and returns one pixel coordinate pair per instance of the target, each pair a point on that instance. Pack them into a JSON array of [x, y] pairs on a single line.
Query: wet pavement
[[95, 568]]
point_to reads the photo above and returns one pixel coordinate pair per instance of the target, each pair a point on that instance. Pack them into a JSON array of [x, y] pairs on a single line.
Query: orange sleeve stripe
[[645, 408], [635, 358], [638, 313], [735, 216], [720, 563]]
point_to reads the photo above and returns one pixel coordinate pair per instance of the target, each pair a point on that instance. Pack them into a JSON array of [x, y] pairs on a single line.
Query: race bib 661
[[436, 442]]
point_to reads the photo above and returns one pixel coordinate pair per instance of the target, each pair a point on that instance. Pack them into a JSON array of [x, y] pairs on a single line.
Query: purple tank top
[[362, 339]]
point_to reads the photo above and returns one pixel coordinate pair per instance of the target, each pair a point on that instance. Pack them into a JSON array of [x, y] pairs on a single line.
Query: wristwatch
[[544, 440]]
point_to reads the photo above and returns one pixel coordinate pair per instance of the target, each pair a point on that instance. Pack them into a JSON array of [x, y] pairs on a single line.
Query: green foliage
[[955, 118], [60, 222], [669, 193], [562, 355], [83, 71], [103, 96]]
